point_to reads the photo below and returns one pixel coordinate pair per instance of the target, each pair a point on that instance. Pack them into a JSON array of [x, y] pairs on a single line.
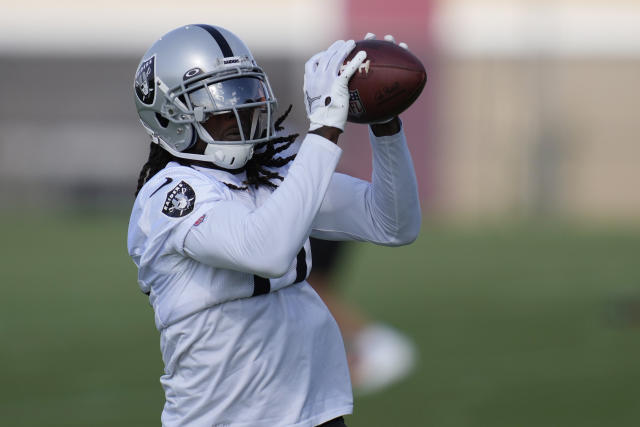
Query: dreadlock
[[158, 159], [265, 157], [256, 168]]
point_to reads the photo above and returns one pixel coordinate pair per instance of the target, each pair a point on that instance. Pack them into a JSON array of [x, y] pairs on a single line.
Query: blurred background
[[522, 293]]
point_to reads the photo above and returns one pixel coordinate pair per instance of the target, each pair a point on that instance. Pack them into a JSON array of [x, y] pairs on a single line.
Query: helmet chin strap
[[229, 156], [221, 155]]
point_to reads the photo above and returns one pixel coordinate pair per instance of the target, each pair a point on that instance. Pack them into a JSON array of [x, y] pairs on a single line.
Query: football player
[[221, 222]]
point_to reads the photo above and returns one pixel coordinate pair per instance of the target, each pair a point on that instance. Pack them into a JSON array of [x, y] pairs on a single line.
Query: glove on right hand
[[326, 92]]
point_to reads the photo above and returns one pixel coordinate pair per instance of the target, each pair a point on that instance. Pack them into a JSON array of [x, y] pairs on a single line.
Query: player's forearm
[[265, 241], [395, 205], [385, 212], [328, 132], [392, 127]]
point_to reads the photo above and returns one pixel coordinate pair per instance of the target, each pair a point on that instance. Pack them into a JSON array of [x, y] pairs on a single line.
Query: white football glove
[[326, 95], [388, 37]]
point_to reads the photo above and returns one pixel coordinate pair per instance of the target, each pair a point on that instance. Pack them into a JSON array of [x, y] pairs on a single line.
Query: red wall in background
[[408, 21]]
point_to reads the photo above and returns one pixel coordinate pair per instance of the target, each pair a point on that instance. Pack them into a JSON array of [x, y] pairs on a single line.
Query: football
[[389, 80]]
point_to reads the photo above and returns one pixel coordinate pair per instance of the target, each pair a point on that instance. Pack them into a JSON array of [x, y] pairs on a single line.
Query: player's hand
[[388, 37], [326, 95]]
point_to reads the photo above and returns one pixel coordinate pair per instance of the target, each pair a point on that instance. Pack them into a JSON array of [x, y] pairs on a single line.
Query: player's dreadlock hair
[[257, 173]]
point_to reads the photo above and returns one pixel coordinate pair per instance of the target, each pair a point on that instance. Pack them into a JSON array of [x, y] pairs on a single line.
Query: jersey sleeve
[[384, 211], [164, 211], [265, 239]]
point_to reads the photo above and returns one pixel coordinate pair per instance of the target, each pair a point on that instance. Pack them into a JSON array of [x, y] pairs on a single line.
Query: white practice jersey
[[244, 338]]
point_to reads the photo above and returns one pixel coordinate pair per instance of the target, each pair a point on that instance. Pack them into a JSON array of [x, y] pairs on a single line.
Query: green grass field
[[517, 326]]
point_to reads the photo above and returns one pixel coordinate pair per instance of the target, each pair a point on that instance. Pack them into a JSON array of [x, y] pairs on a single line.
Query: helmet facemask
[[244, 95]]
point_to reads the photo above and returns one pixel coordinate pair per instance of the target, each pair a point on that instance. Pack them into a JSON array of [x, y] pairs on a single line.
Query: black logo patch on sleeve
[[145, 82], [180, 201]]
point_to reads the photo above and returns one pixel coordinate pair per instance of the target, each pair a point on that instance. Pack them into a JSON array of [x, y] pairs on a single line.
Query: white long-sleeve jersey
[[245, 340]]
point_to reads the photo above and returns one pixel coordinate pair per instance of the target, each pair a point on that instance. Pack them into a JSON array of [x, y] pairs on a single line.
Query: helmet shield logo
[[145, 81]]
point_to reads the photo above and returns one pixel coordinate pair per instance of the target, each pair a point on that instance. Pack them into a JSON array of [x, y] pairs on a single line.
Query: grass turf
[[516, 326]]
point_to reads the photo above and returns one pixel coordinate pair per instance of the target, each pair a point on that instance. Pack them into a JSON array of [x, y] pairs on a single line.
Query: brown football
[[389, 80]]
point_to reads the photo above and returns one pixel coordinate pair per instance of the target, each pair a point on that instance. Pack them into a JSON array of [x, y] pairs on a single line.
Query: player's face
[[224, 127], [219, 99]]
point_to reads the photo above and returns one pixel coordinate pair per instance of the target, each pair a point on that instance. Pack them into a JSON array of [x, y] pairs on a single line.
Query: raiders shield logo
[[145, 82], [179, 201]]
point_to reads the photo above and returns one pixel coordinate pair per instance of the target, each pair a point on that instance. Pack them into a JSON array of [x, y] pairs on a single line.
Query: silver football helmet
[[193, 73]]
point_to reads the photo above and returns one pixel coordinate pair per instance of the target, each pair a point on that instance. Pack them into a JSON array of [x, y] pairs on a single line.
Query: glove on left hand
[[326, 92]]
